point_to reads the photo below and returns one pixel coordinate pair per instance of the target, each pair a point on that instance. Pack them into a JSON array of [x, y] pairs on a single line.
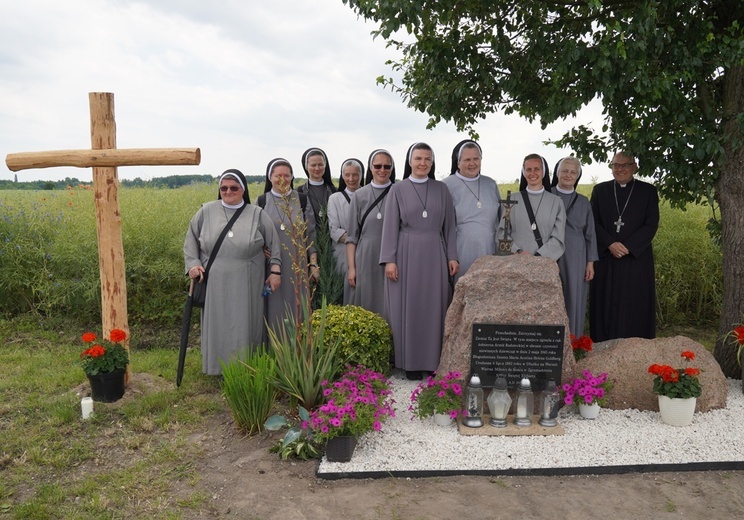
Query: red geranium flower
[[670, 376], [677, 382], [739, 333], [89, 337], [118, 335]]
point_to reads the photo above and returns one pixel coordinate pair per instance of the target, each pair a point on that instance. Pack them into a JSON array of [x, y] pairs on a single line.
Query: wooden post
[[108, 219], [104, 157]]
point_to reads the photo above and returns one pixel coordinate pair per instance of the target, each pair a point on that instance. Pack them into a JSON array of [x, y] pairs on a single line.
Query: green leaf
[[275, 422]]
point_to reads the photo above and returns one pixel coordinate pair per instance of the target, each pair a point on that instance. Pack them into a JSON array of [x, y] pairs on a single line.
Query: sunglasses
[[382, 166], [225, 189]]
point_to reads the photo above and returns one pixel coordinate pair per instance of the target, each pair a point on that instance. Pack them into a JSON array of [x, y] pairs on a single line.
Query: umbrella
[[185, 326]]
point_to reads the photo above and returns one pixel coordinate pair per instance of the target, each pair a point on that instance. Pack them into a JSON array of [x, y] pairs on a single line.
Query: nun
[[419, 251], [352, 175], [294, 222], [577, 263], [477, 209], [233, 314], [538, 220], [365, 275], [319, 186]]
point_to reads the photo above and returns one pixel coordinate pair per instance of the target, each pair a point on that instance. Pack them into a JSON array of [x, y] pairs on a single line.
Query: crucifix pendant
[[479, 204], [533, 226], [379, 216], [282, 227], [424, 214], [618, 224], [230, 234]]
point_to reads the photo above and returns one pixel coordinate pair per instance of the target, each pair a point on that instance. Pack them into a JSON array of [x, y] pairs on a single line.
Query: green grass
[[124, 461]]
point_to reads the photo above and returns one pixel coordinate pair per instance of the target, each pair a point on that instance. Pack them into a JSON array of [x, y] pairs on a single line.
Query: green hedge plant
[[364, 337]]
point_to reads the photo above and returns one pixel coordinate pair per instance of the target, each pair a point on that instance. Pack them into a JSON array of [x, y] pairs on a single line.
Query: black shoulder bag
[[199, 293], [531, 216]]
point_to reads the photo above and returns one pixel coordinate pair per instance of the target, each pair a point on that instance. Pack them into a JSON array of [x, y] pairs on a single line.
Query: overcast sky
[[245, 81]]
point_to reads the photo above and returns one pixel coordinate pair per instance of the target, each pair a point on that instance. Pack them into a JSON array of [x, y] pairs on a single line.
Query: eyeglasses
[[382, 166], [225, 189], [621, 166]]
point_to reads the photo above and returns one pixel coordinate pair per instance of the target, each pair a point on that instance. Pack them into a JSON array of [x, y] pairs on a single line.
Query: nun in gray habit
[[364, 274], [319, 186], [233, 314], [477, 209], [287, 208], [419, 250], [538, 220], [577, 263]]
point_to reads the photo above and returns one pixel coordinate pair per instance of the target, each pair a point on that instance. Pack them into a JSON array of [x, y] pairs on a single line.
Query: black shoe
[[413, 375]]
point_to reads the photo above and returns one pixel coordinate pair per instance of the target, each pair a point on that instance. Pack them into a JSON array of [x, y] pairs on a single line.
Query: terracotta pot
[[108, 387], [675, 411], [341, 448]]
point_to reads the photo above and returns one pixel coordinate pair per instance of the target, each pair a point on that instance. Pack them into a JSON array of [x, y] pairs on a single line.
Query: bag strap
[[346, 196], [371, 207], [222, 237], [531, 215], [573, 201]]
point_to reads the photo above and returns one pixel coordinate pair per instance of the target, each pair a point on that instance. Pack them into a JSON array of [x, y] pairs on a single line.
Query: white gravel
[[616, 438]]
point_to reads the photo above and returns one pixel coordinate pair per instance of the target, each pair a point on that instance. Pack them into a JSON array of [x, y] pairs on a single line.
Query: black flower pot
[[341, 448], [108, 387]]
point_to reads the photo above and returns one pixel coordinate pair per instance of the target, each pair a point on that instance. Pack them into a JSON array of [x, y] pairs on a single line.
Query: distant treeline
[[171, 181]]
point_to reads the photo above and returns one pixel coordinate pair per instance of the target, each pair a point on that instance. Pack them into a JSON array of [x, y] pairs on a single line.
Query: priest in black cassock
[[622, 296]]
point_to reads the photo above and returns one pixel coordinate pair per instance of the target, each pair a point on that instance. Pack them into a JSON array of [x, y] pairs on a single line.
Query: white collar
[[467, 179], [232, 206], [418, 181], [277, 194], [349, 192], [565, 192], [538, 192], [375, 185], [315, 183]]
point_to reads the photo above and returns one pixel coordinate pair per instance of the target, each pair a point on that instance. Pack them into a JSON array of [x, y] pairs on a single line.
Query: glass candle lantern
[[525, 404], [474, 403], [499, 402], [549, 400]]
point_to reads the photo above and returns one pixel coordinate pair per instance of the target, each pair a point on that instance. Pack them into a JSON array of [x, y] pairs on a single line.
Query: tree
[[669, 73]]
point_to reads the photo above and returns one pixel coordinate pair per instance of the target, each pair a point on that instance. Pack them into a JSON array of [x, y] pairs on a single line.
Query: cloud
[[244, 81]]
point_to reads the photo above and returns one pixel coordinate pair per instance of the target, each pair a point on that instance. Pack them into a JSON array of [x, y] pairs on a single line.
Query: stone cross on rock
[[104, 158]]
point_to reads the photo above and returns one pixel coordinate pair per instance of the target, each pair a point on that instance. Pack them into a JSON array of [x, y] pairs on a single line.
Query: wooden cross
[[104, 157]]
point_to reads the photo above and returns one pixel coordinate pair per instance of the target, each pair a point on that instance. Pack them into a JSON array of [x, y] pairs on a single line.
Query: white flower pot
[[589, 411], [675, 411], [442, 419]]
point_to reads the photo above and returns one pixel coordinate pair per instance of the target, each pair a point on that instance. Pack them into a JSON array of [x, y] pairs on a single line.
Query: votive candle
[[87, 406]]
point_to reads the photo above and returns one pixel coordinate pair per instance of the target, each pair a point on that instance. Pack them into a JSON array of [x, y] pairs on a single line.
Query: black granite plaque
[[517, 351]]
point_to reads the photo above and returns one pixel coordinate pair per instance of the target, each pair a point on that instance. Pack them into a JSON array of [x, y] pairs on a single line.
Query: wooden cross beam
[[104, 158]]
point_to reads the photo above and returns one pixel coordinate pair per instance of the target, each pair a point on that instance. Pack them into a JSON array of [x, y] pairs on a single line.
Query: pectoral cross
[[618, 224], [104, 158]]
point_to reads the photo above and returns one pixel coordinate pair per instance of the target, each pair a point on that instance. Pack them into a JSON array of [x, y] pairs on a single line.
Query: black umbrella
[[185, 326]]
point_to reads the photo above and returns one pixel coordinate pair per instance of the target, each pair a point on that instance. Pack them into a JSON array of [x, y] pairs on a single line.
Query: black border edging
[[534, 472]]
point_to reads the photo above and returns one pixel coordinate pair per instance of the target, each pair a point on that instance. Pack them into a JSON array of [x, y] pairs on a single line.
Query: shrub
[[364, 337], [247, 387]]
